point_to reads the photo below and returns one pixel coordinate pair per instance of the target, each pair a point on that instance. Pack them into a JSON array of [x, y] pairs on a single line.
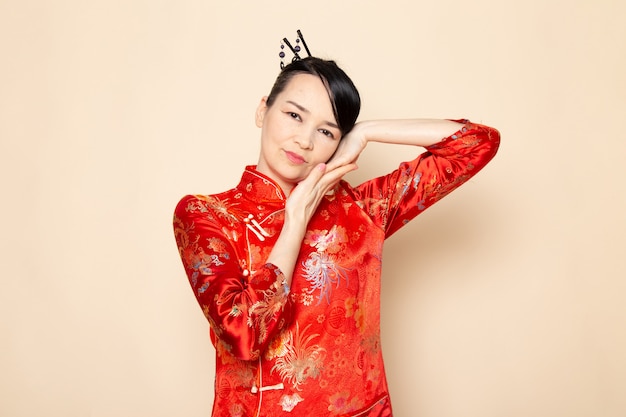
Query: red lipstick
[[294, 158]]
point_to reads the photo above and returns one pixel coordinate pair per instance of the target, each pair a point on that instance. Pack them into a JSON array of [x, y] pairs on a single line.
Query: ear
[[260, 112]]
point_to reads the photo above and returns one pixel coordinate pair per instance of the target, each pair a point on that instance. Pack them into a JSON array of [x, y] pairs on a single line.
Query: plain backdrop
[[504, 299]]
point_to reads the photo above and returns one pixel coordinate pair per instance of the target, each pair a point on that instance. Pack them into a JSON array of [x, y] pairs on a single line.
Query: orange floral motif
[[341, 339], [278, 346], [263, 311], [342, 402], [349, 304], [330, 240], [236, 410], [217, 245], [222, 350], [359, 319], [222, 208]]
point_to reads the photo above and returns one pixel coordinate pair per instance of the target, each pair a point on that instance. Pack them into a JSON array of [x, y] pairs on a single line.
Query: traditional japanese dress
[[312, 349]]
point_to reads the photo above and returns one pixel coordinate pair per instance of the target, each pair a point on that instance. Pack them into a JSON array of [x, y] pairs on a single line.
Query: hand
[[306, 196], [299, 208], [349, 148]]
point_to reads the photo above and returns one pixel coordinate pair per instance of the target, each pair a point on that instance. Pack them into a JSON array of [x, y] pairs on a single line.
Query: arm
[[449, 161], [299, 208], [244, 309], [418, 132]]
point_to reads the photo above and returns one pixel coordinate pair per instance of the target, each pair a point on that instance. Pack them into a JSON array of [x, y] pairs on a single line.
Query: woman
[[286, 265]]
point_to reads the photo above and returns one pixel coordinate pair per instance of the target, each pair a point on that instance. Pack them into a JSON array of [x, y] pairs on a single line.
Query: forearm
[[418, 132], [300, 207], [285, 252], [234, 298], [419, 183]]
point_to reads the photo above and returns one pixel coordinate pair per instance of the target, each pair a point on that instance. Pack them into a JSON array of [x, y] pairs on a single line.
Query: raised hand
[[349, 148], [299, 208], [306, 196]]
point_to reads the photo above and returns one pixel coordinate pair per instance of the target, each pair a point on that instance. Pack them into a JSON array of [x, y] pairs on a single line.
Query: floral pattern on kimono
[[314, 348]]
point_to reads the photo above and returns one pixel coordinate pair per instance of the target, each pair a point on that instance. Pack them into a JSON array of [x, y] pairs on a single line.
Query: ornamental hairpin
[[294, 49]]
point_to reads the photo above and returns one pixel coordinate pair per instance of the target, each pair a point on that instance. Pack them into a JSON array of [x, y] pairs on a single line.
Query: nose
[[305, 140]]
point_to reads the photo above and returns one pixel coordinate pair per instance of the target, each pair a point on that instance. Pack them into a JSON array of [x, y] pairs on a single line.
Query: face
[[298, 131]]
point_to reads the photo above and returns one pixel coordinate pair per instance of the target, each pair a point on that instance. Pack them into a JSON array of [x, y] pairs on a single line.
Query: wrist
[[360, 132], [294, 227]]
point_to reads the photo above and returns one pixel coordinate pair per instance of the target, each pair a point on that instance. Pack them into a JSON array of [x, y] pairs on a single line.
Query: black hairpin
[[294, 49]]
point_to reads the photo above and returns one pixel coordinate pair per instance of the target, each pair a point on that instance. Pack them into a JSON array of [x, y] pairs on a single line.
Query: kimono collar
[[260, 188]]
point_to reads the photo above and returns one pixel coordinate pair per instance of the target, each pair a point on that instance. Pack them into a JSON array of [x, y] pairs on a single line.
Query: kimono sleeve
[[394, 199], [244, 310]]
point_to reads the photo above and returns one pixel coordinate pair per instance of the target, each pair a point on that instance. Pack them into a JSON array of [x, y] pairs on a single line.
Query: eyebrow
[[305, 110]]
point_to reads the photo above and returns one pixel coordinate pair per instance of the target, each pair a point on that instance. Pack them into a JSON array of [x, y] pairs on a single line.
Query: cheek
[[331, 149], [327, 147]]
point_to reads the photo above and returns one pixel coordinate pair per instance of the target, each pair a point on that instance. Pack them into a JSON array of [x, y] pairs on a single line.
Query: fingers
[[314, 176], [349, 149], [339, 159], [332, 176], [343, 156], [322, 178], [306, 196]]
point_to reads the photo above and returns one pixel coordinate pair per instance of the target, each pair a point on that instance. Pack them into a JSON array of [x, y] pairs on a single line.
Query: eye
[[294, 115], [327, 133]]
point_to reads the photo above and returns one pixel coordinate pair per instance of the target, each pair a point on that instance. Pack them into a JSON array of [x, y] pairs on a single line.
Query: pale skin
[[303, 151]]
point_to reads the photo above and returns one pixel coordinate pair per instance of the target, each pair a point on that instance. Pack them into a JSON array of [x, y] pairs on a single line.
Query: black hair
[[342, 92]]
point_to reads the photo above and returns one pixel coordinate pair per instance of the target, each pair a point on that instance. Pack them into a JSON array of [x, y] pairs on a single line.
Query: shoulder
[[203, 203], [212, 212], [192, 203]]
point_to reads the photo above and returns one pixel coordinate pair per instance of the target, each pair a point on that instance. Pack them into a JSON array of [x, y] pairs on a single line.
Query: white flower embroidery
[[288, 402], [321, 272], [301, 360]]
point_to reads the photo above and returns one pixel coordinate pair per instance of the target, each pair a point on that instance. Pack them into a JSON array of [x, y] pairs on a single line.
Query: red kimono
[[312, 349]]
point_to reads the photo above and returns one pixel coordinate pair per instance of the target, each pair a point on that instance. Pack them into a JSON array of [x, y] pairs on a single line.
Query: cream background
[[505, 299]]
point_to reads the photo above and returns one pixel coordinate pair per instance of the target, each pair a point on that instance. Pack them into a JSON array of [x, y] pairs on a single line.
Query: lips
[[294, 158]]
